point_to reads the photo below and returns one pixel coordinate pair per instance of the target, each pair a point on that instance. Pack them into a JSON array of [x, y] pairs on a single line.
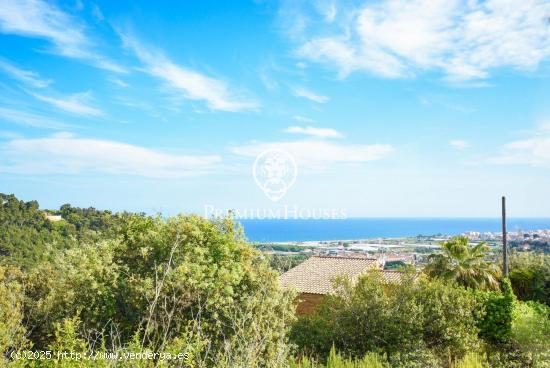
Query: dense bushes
[[27, 237], [11, 316], [530, 276], [372, 360], [122, 284], [531, 329], [427, 323], [185, 284], [423, 319], [335, 360], [496, 325]]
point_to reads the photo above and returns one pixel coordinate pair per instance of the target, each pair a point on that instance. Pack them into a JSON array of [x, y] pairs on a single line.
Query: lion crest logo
[[275, 172]]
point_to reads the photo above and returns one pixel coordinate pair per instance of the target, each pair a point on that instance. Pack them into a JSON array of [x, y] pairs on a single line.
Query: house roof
[[316, 274], [392, 276]]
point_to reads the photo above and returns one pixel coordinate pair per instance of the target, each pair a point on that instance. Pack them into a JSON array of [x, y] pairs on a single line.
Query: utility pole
[[504, 240]]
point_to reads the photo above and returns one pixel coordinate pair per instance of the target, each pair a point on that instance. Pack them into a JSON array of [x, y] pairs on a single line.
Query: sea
[[366, 228]]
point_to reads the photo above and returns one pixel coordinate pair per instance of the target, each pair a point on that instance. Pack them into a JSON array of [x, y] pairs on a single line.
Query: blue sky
[[389, 108]]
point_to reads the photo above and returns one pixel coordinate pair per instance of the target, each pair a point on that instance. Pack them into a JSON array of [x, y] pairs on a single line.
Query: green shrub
[[496, 325], [509, 356], [11, 316], [449, 318], [418, 358], [313, 334], [530, 276], [335, 360], [472, 360], [176, 282], [531, 330], [416, 321]]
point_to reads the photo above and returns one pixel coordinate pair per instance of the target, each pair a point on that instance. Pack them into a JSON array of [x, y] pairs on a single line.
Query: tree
[[496, 325], [531, 328], [530, 276], [416, 321], [464, 264], [11, 329], [180, 283]]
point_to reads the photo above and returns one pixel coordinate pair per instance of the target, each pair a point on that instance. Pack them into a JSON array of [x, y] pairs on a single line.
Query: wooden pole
[[504, 240]]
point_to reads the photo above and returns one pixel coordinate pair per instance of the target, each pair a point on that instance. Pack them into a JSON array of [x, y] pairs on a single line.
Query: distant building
[[54, 218], [313, 278]]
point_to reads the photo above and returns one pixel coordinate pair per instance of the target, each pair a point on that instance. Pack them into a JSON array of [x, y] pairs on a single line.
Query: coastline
[[276, 231]]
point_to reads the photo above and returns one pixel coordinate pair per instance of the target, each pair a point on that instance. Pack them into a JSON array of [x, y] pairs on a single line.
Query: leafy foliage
[[531, 329], [464, 264], [28, 237], [142, 283], [283, 263], [398, 320], [11, 330], [129, 283], [496, 326], [530, 276], [472, 360], [335, 360]]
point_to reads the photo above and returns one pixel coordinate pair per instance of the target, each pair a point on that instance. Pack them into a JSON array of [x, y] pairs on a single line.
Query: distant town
[[400, 251]]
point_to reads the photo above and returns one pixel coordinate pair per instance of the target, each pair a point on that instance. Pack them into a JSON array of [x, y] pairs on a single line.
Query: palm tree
[[465, 264]]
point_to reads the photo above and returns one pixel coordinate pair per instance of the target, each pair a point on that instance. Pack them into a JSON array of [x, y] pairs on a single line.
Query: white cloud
[[266, 77], [327, 9], [319, 154], [40, 19], [303, 119], [310, 95], [76, 104], [463, 39], [347, 58], [8, 135], [533, 151], [459, 144], [314, 132], [194, 85], [65, 153], [28, 77], [30, 119], [119, 82]]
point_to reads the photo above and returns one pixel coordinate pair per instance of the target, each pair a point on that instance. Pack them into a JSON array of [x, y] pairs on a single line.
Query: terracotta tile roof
[[316, 274], [392, 276]]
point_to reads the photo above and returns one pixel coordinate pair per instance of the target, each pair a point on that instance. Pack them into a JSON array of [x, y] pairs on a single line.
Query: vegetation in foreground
[[132, 284]]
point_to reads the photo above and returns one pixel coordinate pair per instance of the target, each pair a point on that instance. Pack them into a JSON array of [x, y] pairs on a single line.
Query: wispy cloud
[[6, 134], [533, 151], [318, 154], [97, 14], [465, 40], [459, 144], [194, 85], [443, 102], [327, 9], [65, 153], [314, 132], [40, 19], [303, 119], [28, 77], [119, 82], [75, 104], [310, 95], [30, 119], [267, 80], [346, 57]]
